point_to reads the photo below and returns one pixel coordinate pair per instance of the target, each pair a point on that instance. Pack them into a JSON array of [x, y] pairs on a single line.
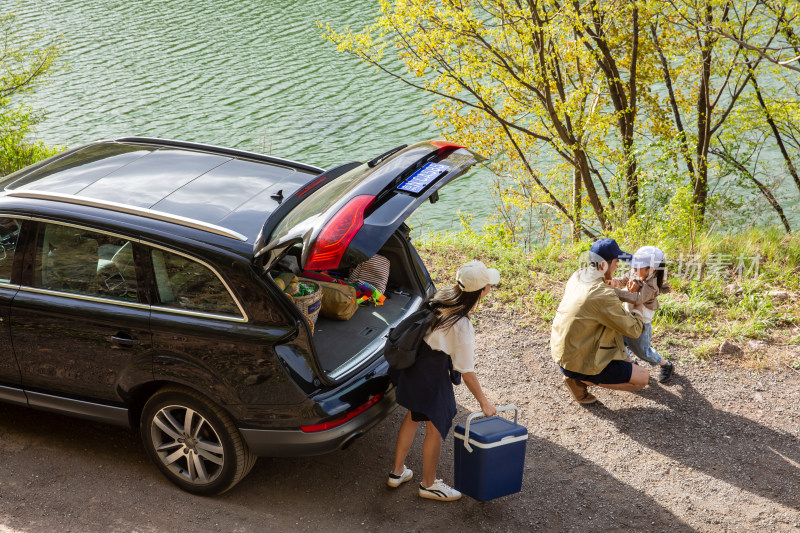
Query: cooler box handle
[[479, 414]]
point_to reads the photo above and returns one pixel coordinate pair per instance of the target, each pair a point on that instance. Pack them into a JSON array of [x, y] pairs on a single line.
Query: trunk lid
[[345, 219]]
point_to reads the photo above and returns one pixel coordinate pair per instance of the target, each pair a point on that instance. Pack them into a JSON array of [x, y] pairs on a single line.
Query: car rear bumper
[[294, 443]]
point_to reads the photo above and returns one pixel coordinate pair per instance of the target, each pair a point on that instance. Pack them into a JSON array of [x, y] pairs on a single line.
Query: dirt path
[[714, 450]]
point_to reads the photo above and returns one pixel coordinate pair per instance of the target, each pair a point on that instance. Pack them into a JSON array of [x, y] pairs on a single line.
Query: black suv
[[136, 289]]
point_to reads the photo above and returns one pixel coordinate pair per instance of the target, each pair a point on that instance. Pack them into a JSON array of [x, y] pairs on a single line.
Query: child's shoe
[[665, 372], [439, 491], [397, 480]]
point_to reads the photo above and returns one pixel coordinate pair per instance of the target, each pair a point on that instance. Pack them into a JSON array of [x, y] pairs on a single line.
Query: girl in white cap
[[639, 290], [426, 388]]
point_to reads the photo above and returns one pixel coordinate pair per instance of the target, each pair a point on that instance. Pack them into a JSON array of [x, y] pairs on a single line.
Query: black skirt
[[425, 387]]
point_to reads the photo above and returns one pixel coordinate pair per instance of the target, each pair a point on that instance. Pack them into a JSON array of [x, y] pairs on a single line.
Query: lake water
[[250, 74]]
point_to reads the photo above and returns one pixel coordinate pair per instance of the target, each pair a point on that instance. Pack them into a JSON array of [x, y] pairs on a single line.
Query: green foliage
[[527, 277], [572, 105], [680, 311], [25, 61], [16, 151], [535, 92], [706, 349]]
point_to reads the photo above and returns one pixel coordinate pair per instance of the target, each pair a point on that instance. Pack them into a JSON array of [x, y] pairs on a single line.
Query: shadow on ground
[[66, 474], [726, 446], [561, 491]]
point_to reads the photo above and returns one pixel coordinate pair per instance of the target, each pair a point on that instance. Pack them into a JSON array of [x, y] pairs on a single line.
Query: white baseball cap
[[474, 276], [647, 256]]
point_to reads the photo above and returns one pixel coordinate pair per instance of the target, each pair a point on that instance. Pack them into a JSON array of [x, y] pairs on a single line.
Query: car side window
[[80, 261], [183, 283], [9, 233]]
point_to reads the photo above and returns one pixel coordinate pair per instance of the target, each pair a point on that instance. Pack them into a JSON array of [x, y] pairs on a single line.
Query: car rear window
[[305, 215], [186, 284]]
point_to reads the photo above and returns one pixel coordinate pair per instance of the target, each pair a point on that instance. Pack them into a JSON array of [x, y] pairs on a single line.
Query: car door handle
[[125, 340]]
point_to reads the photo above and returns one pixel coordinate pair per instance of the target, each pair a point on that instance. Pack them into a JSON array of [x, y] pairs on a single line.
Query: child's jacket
[[646, 300]]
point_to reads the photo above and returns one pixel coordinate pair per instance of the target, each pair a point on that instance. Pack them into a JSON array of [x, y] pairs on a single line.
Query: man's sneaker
[[665, 372], [579, 391], [439, 491], [397, 480]]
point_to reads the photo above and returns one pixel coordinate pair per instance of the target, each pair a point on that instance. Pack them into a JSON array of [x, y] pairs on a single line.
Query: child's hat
[[647, 256], [474, 276]]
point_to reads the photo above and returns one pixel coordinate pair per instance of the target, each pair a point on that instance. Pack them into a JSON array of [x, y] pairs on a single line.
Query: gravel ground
[[714, 449]]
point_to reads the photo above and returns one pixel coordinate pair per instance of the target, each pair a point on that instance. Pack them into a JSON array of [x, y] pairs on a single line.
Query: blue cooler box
[[494, 466]]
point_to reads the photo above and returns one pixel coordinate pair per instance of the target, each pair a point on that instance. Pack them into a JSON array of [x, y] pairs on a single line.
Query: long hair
[[660, 269], [450, 304]]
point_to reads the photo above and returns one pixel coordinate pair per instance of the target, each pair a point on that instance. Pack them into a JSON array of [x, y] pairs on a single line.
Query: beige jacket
[[589, 325]]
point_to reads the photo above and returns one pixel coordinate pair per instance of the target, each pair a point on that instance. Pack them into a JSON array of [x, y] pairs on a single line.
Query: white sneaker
[[439, 491], [395, 480]]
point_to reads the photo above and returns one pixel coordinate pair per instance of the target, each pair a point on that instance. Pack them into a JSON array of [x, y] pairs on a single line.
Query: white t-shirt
[[458, 342], [647, 314]]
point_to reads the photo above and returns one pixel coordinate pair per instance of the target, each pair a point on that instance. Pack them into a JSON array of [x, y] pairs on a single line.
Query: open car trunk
[[342, 346]]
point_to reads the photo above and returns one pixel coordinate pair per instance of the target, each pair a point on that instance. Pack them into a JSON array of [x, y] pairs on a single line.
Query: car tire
[[209, 456]]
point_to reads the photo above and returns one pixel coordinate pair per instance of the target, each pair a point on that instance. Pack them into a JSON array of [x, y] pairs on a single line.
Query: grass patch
[[705, 350], [721, 288], [531, 283]]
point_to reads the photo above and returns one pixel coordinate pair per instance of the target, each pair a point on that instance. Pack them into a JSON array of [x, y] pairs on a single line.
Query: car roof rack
[[221, 150], [130, 209]]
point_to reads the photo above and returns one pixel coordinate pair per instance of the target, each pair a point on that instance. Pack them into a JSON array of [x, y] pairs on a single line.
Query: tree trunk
[[761, 187], [775, 131], [631, 167], [704, 107], [582, 164], [576, 206], [673, 102], [623, 99], [631, 174]]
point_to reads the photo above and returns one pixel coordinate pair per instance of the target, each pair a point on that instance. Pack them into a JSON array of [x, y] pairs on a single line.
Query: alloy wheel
[[187, 444]]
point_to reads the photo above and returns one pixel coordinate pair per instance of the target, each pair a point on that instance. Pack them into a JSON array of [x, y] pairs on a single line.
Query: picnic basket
[[310, 304]]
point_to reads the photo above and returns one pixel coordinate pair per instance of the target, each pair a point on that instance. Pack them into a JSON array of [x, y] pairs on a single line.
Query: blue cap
[[609, 250]]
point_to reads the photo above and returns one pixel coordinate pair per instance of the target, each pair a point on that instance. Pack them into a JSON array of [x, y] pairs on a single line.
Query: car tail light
[[446, 144], [337, 234], [342, 419], [445, 148], [302, 192]]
